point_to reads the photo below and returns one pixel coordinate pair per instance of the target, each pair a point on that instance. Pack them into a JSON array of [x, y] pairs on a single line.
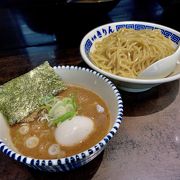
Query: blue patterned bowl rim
[[106, 29], [87, 153]]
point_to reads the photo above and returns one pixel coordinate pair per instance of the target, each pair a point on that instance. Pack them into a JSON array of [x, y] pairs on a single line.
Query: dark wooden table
[[147, 145]]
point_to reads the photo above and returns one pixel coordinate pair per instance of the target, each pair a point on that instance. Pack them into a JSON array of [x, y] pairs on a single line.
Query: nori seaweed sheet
[[21, 96]]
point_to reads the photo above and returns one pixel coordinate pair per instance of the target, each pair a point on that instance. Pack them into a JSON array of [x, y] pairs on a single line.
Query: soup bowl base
[[133, 90]]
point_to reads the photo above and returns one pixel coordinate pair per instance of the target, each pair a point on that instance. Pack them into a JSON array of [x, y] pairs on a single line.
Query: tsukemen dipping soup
[[49, 119], [66, 124]]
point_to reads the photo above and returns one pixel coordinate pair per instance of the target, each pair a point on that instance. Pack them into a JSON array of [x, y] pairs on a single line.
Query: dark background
[[37, 23]]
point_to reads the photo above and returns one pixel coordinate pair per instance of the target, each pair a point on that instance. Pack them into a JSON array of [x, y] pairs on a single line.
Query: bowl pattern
[[75, 161], [124, 83], [105, 31]]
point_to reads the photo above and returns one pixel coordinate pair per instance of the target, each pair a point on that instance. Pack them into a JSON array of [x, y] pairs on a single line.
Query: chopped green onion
[[66, 116], [59, 109]]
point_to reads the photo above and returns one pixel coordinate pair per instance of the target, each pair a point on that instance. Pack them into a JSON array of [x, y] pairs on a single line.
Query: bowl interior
[[97, 34], [81, 78], [96, 84]]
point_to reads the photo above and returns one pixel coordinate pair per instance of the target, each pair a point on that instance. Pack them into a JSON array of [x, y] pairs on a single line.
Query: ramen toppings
[[67, 124]]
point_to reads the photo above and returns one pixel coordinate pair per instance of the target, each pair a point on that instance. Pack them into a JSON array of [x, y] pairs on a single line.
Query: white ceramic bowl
[[84, 78], [128, 84]]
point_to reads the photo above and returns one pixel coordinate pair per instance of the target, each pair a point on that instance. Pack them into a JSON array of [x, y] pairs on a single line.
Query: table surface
[[147, 145]]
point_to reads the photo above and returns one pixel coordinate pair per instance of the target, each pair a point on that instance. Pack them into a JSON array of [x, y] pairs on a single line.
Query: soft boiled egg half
[[74, 131]]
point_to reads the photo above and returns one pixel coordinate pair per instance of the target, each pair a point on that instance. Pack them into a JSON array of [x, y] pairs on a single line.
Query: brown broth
[[86, 101]]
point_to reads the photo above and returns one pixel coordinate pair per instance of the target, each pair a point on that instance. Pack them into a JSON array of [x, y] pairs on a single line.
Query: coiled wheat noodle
[[127, 52]]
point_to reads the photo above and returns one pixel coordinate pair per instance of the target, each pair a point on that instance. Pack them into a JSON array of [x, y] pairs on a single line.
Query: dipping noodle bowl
[[122, 50], [56, 122]]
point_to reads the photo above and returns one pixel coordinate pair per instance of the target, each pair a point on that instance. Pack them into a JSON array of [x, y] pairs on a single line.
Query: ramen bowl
[[124, 83], [94, 82]]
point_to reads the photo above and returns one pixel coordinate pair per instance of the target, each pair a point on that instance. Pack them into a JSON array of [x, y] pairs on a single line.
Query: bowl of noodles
[[122, 50]]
